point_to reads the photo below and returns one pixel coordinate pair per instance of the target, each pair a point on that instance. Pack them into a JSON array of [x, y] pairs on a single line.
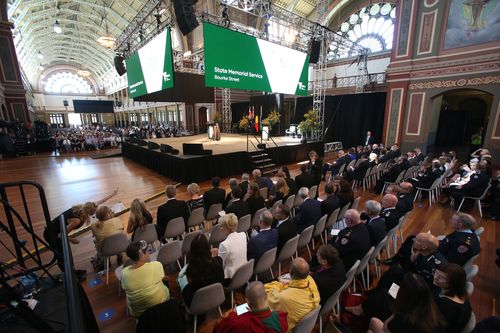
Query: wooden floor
[[69, 180]]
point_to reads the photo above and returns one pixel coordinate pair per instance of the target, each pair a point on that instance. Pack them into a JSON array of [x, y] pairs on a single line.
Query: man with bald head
[[260, 318], [354, 241], [297, 298], [389, 211]]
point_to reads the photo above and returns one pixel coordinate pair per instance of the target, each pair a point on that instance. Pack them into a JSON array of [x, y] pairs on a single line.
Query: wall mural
[[472, 22]]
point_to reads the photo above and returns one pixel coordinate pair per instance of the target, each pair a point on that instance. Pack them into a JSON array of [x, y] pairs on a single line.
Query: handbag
[[355, 324]]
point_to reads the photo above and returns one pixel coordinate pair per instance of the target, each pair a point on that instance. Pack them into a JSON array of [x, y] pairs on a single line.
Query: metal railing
[[350, 81]]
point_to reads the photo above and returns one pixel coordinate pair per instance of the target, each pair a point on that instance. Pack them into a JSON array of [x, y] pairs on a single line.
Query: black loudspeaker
[[153, 145], [65, 103], [315, 48], [184, 14], [261, 146], [165, 148], [120, 67], [141, 143]]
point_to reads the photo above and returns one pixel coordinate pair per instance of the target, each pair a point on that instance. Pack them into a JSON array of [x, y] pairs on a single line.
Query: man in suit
[[285, 226], [405, 198], [238, 206], [215, 195], [419, 156], [305, 179], [359, 172], [262, 181], [392, 174], [331, 202], [353, 242], [334, 168], [244, 183], [389, 211], [233, 182], [474, 187], [462, 244], [369, 140], [265, 240], [309, 211], [171, 209], [427, 178], [375, 223]]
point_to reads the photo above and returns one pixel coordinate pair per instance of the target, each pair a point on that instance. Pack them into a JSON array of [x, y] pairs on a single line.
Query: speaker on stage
[[185, 17], [120, 67], [153, 145], [315, 48]]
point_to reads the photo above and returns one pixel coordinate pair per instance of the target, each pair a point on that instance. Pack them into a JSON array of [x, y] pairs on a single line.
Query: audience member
[[374, 222], [297, 298], [259, 319], [233, 250], [245, 181], [344, 193], [474, 188], [215, 195], [143, 280], [170, 210], [405, 198], [106, 225], [262, 181], [255, 200], [309, 212], [265, 240], [463, 243], [389, 211], [203, 268], [330, 275], [289, 181], [392, 173], [314, 166], [287, 229], [139, 217], [342, 159], [233, 183], [331, 202], [305, 179], [354, 241], [238, 206], [196, 200]]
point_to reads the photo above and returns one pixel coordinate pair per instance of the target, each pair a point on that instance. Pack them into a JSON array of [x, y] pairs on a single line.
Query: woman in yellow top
[[107, 225], [143, 280]]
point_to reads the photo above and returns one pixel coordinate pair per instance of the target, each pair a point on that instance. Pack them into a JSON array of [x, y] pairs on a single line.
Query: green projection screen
[[236, 60], [150, 69]]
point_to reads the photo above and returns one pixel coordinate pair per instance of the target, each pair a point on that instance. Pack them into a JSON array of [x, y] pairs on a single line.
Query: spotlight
[[57, 27]]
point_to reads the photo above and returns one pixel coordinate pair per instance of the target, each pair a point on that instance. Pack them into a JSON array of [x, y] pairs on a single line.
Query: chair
[[470, 261], [306, 324], [349, 276], [217, 236], [170, 253], [196, 218], [391, 234], [206, 299], [246, 196], [332, 219], [355, 203], [304, 239], [244, 224], [112, 246], [402, 221], [479, 231], [364, 266], [186, 243], [213, 212], [264, 192], [433, 191], [149, 235], [275, 206], [287, 251], [298, 201], [332, 304], [341, 215], [240, 278], [471, 271], [119, 273], [319, 228], [470, 324], [477, 199], [289, 201], [469, 286], [256, 217], [265, 262], [397, 181], [292, 130], [375, 257], [313, 191], [175, 228]]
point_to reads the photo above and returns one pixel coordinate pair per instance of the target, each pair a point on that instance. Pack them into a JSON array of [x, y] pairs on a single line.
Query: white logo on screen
[[166, 77], [302, 86]]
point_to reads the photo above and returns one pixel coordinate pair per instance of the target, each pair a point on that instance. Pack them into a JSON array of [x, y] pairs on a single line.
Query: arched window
[[371, 27], [67, 83]]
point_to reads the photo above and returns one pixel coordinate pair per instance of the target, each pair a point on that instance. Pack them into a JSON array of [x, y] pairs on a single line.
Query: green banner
[[236, 60], [150, 69]]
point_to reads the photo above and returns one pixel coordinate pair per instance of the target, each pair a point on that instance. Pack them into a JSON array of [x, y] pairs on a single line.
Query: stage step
[[263, 161], [269, 172]]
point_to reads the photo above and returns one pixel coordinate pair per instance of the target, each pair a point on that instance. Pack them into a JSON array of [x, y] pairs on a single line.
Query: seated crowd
[[430, 273]]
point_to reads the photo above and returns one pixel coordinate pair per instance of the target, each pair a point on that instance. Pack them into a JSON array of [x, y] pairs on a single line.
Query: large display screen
[[150, 69], [236, 60], [93, 106]]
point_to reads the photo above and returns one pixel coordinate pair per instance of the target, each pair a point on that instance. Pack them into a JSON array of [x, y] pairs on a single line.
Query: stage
[[229, 157]]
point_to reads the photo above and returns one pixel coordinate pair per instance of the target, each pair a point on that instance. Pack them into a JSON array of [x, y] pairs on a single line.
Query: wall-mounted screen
[[236, 60], [150, 69], [92, 106]]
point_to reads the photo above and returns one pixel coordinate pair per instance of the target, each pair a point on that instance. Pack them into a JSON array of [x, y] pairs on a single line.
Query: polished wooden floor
[[69, 180]]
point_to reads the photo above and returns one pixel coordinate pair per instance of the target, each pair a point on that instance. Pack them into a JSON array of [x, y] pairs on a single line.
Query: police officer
[[405, 198], [389, 211], [474, 188], [353, 242], [463, 243]]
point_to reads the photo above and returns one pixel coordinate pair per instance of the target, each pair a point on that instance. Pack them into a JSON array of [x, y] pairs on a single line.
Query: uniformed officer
[[353, 242], [463, 243], [474, 188], [389, 211], [425, 257], [405, 198]]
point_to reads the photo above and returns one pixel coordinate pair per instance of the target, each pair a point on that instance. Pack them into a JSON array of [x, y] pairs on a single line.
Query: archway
[[458, 115]]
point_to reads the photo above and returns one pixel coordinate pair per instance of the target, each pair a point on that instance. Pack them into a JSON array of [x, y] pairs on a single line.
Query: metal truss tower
[[226, 110]]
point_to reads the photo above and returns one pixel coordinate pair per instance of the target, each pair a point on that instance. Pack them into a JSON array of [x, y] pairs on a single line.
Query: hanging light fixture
[[39, 55], [107, 40], [40, 67], [57, 27]]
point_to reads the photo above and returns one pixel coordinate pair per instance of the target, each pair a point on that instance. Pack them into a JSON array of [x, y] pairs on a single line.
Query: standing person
[[369, 140], [139, 217], [74, 218], [315, 166]]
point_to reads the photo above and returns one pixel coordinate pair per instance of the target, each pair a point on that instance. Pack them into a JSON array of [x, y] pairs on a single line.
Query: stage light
[[57, 27], [39, 55]]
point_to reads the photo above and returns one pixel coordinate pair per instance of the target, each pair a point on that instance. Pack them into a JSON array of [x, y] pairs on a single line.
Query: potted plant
[[309, 124], [243, 124], [272, 119]]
